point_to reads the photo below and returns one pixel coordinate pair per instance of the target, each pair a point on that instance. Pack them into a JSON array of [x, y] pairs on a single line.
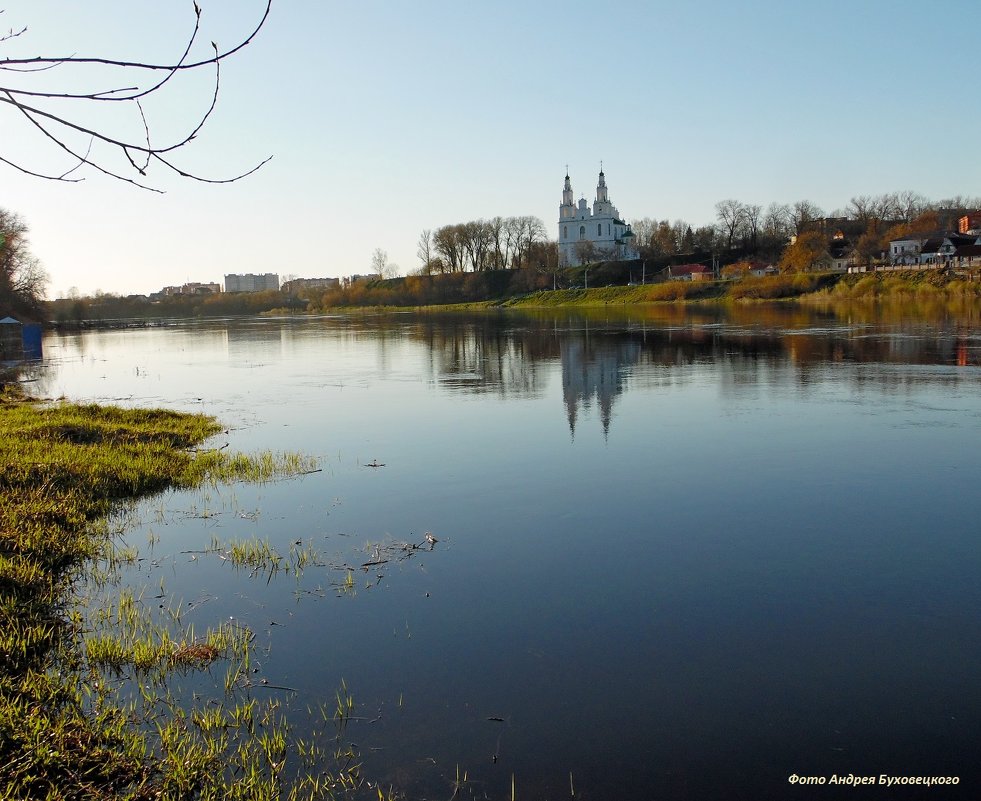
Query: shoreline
[[66, 471]]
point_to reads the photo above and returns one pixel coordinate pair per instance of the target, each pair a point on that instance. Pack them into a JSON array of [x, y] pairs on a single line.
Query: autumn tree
[[71, 102], [808, 251], [664, 239], [923, 224], [870, 245], [739, 269]]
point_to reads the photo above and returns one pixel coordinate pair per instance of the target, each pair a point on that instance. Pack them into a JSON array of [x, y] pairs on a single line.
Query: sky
[[387, 118]]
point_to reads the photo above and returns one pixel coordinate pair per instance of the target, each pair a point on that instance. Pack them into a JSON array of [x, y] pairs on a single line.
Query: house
[[930, 250], [906, 251], [927, 250], [842, 252], [689, 272], [967, 257]]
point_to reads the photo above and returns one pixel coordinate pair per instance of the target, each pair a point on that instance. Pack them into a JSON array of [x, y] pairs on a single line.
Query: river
[[660, 554]]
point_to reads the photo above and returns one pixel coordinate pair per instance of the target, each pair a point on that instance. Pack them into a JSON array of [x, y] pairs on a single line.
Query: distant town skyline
[[384, 121]]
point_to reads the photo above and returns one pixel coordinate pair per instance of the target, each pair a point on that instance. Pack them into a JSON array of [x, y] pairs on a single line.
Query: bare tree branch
[[11, 34], [62, 177], [56, 117]]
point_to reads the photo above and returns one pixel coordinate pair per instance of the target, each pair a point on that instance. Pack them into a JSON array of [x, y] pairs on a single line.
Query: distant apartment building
[[251, 283], [298, 284], [192, 288]]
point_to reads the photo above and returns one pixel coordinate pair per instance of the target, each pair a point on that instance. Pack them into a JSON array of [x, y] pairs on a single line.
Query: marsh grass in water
[[66, 729]]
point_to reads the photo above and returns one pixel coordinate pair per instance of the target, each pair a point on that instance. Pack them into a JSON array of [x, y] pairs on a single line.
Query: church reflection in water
[[516, 356], [594, 372]]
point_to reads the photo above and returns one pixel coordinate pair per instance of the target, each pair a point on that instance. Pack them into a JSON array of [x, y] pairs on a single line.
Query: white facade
[[906, 251], [592, 235]]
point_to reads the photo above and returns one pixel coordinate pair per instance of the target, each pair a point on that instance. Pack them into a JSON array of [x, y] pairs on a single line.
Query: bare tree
[[585, 251], [446, 241], [909, 205], [777, 218], [730, 216], [22, 279], [424, 250], [476, 240], [644, 235], [682, 235], [802, 214], [58, 113], [861, 208], [498, 245], [381, 266], [533, 230], [513, 228], [752, 220]]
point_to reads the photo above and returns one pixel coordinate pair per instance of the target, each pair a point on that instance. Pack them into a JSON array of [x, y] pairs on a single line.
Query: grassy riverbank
[[65, 730], [894, 286]]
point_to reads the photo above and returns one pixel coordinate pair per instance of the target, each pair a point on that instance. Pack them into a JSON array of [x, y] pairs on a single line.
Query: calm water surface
[[680, 555]]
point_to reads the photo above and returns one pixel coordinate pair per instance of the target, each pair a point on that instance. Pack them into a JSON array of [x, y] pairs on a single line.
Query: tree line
[[796, 236], [501, 243]]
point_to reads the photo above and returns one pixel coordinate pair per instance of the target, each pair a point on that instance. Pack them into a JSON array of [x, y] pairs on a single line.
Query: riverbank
[[66, 729], [807, 288], [796, 286], [503, 288]]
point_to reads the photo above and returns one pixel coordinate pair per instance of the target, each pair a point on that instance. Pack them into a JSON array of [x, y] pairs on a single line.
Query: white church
[[597, 235]]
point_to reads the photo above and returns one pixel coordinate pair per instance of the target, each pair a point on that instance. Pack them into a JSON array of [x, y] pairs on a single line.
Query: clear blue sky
[[385, 118]]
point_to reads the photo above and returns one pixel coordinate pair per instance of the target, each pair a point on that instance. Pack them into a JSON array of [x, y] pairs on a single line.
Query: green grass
[[66, 732]]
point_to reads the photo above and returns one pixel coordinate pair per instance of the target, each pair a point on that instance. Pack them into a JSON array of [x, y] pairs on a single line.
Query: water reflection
[[594, 370], [602, 355]]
